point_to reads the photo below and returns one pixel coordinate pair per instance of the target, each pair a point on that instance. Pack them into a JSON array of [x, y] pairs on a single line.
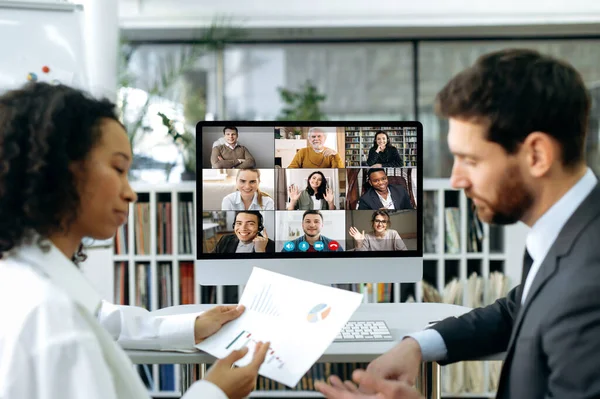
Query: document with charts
[[299, 318]]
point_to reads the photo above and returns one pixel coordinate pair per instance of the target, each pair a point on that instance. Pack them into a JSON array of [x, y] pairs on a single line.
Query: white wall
[[314, 15]]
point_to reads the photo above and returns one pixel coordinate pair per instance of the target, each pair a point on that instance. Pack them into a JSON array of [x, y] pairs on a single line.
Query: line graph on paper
[[263, 302], [245, 338]]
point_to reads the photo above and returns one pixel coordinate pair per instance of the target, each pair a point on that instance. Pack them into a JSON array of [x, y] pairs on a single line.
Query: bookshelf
[[159, 271], [359, 141]]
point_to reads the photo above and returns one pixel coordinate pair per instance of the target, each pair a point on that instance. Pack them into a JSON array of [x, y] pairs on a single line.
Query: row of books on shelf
[[474, 235], [143, 283], [469, 377], [164, 228]]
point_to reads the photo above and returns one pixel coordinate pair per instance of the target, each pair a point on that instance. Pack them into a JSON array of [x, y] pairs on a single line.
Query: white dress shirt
[[387, 203], [539, 240], [233, 202], [58, 339]]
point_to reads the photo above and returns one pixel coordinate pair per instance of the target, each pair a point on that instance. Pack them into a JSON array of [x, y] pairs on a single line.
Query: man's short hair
[[374, 170], [517, 91], [312, 212], [255, 213], [230, 128]]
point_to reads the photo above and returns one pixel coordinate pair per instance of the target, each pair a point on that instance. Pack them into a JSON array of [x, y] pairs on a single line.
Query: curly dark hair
[[43, 129], [519, 91]]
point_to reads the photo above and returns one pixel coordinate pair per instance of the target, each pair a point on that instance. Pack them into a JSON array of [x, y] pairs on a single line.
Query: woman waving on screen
[[381, 238], [316, 195]]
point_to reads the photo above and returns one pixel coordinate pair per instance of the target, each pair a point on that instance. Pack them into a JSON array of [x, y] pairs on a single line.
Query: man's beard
[[513, 201]]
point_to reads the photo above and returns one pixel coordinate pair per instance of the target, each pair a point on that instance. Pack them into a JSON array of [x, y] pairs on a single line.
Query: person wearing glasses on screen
[[382, 238], [383, 154], [316, 195], [248, 196], [316, 155], [382, 195], [249, 235], [231, 154]]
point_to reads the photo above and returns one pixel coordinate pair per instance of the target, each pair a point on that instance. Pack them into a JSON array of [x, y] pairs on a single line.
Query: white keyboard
[[364, 331]]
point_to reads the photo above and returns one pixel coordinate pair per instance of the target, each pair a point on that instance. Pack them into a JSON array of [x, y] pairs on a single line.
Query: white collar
[[544, 232], [238, 198], [389, 194], [61, 271]]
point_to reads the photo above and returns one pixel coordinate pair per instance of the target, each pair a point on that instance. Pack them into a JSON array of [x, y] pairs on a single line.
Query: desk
[[401, 318]]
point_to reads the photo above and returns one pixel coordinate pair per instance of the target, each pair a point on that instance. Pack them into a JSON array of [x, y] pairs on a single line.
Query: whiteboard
[[41, 41]]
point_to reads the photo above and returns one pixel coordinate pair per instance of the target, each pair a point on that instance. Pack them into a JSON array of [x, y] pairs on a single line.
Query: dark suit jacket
[[370, 199], [228, 244], [552, 342]]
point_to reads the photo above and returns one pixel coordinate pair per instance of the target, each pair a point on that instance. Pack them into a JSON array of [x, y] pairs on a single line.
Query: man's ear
[[541, 152]]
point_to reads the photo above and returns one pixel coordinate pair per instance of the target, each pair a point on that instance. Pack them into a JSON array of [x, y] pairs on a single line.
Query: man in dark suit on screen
[[381, 195], [517, 129]]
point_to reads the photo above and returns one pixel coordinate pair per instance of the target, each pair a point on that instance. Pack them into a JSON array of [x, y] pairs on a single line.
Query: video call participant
[[381, 238], [383, 153], [316, 195], [249, 235], [231, 154], [248, 195], [382, 195], [316, 155], [312, 240]]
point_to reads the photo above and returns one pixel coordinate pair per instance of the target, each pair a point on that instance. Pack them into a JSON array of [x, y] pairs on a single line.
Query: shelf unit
[[500, 249], [359, 141]]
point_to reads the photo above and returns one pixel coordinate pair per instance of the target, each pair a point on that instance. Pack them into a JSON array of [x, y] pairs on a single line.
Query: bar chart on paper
[[300, 320], [263, 302]]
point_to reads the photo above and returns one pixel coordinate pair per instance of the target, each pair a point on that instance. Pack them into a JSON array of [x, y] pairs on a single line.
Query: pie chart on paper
[[318, 313]]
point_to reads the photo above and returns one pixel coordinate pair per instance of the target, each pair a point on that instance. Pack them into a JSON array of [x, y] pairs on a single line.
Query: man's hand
[[212, 320], [237, 382], [329, 151], [381, 388], [400, 363], [260, 243]]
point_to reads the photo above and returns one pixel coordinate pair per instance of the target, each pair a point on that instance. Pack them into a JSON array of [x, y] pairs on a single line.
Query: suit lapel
[[562, 246], [545, 272], [376, 200]]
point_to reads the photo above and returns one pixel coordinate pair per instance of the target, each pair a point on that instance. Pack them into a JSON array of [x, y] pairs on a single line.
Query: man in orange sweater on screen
[[316, 155]]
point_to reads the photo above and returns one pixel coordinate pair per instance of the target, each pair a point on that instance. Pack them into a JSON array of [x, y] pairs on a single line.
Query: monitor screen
[[331, 202]]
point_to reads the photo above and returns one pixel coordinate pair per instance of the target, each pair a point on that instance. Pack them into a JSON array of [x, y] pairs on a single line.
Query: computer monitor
[[328, 202]]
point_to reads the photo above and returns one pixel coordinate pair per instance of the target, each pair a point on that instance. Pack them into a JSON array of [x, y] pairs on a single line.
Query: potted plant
[[297, 134], [302, 105], [186, 144], [171, 68]]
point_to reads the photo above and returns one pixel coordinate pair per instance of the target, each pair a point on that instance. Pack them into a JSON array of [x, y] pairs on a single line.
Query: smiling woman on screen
[[248, 196]]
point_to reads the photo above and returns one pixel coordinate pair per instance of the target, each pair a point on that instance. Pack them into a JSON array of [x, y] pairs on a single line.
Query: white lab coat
[[58, 339]]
